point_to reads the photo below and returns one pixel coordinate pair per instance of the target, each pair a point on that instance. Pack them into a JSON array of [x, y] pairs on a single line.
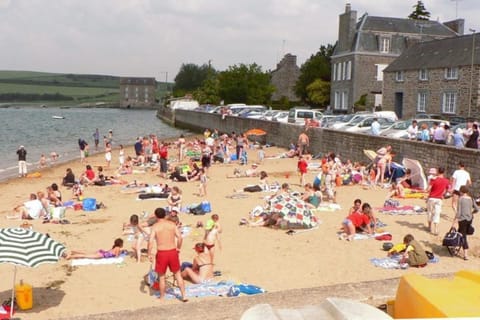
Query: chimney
[[346, 29], [457, 26]]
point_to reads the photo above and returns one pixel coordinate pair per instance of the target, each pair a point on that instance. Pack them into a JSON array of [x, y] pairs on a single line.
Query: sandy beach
[[264, 257]]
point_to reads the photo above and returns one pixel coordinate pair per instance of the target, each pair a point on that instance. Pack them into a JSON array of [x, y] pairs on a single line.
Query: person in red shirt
[[302, 168], [356, 220], [436, 190], [88, 176]]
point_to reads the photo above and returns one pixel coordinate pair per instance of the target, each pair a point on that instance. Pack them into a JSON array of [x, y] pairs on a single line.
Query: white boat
[[58, 117]]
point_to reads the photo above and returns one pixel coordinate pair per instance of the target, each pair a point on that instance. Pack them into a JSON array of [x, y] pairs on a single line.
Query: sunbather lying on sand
[[100, 254]]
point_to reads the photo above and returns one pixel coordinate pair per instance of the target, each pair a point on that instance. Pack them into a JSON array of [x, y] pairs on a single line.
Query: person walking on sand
[[436, 190], [303, 143], [22, 161], [168, 240], [96, 138], [302, 166], [108, 154], [460, 177], [82, 144]]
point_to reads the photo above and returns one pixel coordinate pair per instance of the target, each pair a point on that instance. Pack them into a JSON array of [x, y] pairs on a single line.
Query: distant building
[[284, 78], [137, 92], [435, 77], [366, 46]]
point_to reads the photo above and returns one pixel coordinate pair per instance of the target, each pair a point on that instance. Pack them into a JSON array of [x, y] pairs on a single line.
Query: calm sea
[[40, 133]]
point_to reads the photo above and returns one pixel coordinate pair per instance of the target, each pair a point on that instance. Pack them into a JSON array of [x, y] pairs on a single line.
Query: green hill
[[58, 88]]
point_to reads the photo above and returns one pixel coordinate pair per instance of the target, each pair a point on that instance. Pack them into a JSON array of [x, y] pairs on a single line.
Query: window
[[399, 76], [384, 44], [449, 102], [348, 70], [334, 73], [337, 100], [421, 102], [344, 100], [423, 74], [451, 73], [339, 71], [379, 72]]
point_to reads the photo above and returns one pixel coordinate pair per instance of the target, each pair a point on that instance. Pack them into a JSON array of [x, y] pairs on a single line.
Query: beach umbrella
[[24, 247], [293, 210], [370, 154], [417, 175], [255, 132]]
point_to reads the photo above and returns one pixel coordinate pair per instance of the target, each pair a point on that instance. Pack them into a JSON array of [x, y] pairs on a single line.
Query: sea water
[[40, 133]]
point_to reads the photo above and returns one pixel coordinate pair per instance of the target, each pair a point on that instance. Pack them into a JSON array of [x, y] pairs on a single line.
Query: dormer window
[[423, 75], [384, 44]]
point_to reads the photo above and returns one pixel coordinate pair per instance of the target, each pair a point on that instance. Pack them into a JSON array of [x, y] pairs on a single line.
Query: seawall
[[347, 145]]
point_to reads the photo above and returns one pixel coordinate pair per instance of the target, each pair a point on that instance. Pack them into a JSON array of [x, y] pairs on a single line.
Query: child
[[414, 253], [260, 154], [121, 156], [212, 234], [357, 206], [42, 163], [202, 188], [396, 190], [138, 232], [112, 253], [302, 166]]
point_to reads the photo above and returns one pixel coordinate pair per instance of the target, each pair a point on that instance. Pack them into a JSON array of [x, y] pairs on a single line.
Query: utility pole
[[471, 72]]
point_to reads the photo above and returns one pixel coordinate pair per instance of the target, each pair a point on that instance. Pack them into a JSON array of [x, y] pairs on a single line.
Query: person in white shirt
[[32, 209], [413, 130], [460, 177], [375, 127]]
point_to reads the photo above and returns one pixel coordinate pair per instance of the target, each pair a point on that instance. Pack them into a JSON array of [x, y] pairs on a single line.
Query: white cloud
[[151, 37]]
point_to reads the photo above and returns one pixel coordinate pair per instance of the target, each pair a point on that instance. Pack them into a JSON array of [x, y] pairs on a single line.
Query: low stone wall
[[346, 145]]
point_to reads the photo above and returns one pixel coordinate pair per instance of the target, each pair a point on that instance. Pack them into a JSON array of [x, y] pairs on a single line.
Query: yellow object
[[391, 307], [34, 175], [420, 297], [399, 247], [24, 295], [80, 198]]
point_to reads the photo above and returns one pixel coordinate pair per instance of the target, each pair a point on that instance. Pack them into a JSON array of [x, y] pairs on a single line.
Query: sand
[[265, 257]]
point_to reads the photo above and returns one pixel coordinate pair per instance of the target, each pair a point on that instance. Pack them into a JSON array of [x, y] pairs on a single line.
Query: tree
[[208, 92], [319, 92], [419, 12], [189, 78], [245, 83], [316, 67]]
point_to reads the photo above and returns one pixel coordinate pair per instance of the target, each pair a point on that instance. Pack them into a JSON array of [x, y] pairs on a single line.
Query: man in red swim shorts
[[168, 239]]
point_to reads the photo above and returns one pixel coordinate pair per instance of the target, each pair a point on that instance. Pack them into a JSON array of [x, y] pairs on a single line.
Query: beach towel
[[402, 210], [328, 207], [393, 262], [85, 261], [206, 289], [365, 236]]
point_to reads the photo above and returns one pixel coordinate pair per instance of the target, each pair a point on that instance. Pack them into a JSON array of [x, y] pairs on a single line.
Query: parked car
[[428, 116], [269, 114], [348, 118], [364, 125], [298, 116], [251, 113], [399, 129], [281, 116], [454, 120], [327, 121]]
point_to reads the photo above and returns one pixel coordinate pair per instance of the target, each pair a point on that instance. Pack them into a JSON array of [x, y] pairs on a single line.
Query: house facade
[[440, 76], [284, 78], [137, 92], [366, 46]]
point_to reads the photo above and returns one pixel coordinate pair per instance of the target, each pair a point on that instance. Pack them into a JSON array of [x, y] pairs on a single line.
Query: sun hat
[[432, 171]]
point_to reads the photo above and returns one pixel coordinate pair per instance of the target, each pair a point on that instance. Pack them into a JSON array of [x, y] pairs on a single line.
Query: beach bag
[[89, 204], [453, 238], [57, 213]]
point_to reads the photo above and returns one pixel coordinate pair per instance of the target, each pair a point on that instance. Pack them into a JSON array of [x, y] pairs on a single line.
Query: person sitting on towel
[[414, 254], [202, 267]]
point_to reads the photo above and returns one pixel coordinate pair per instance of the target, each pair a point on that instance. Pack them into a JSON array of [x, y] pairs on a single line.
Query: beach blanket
[[365, 236], [206, 289], [415, 194], [402, 210], [85, 261], [328, 207], [393, 262]]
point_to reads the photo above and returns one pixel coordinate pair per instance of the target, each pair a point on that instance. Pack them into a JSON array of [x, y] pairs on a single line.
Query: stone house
[[366, 46], [137, 92], [284, 78], [440, 76]]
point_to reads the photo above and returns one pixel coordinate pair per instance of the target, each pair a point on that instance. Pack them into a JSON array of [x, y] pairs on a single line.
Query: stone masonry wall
[[347, 145]]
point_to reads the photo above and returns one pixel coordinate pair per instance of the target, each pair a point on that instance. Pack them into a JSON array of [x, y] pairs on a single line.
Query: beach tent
[[395, 171], [293, 210], [418, 176]]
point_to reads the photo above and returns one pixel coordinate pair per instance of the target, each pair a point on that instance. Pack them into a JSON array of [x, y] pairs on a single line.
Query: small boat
[[58, 117]]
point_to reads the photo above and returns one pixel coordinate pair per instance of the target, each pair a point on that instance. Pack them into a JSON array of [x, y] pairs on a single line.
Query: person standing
[[436, 190], [163, 153], [108, 154], [303, 143], [413, 130], [472, 141], [464, 217], [168, 240], [82, 144], [181, 147], [460, 177], [22, 161], [96, 138]]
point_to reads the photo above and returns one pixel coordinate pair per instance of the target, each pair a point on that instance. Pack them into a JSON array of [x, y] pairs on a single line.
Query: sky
[[153, 38]]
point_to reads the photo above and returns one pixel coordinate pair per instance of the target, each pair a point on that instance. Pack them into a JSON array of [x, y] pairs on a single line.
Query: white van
[[298, 116], [236, 110], [185, 104]]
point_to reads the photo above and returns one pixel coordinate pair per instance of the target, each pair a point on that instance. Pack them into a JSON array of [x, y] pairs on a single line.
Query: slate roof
[[449, 52], [399, 25], [137, 81]]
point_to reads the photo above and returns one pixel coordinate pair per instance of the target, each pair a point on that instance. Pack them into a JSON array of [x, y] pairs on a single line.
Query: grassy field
[[80, 87]]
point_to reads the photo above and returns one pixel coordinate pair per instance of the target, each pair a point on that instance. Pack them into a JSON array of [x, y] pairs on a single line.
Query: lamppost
[[471, 72]]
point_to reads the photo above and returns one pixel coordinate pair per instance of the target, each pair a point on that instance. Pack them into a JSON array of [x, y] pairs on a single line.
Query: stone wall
[[347, 145]]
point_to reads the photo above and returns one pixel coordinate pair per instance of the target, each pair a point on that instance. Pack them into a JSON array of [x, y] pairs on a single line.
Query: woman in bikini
[[100, 254], [202, 267], [175, 197]]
